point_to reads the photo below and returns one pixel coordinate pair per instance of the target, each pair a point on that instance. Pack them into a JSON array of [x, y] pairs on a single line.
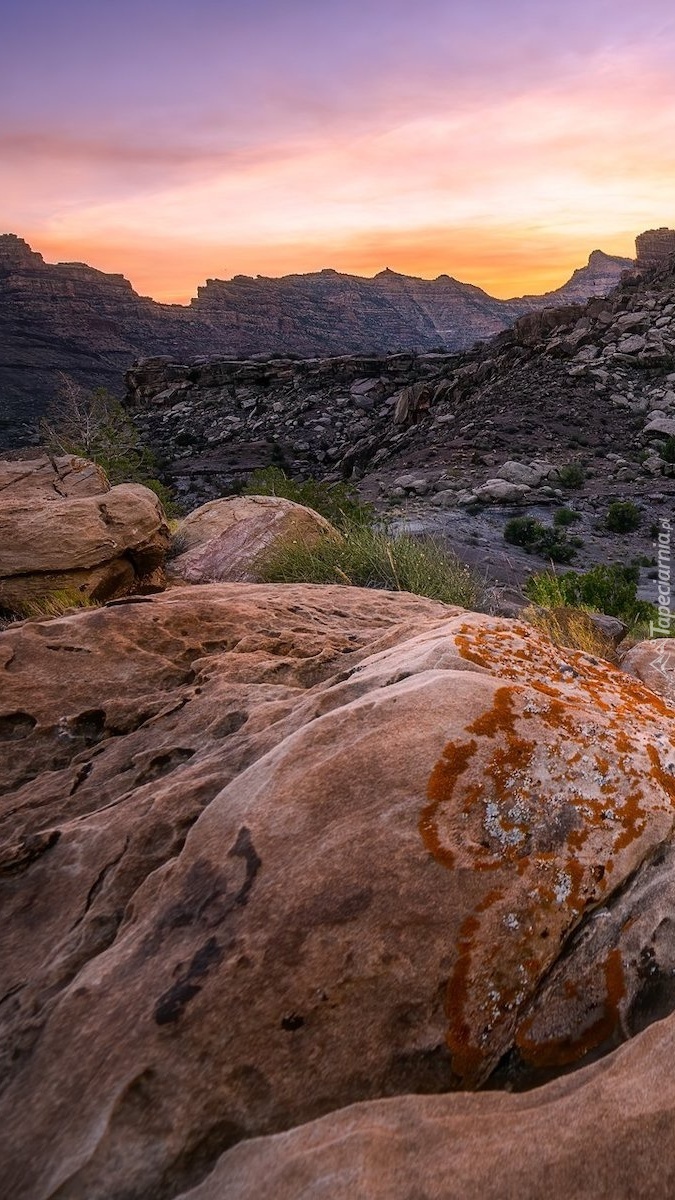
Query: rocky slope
[[443, 435], [270, 851], [71, 318]]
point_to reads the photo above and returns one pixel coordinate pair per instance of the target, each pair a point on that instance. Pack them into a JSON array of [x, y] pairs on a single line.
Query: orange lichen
[[666, 780], [559, 1052], [554, 815], [440, 789]]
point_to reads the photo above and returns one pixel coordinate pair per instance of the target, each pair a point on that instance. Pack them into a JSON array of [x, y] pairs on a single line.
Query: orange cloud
[[510, 194]]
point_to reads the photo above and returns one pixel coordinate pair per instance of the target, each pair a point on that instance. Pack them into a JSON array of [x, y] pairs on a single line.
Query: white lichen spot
[[495, 829], [563, 887]]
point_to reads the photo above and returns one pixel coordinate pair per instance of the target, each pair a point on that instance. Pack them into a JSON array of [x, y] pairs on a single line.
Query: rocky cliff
[[590, 387], [91, 325]]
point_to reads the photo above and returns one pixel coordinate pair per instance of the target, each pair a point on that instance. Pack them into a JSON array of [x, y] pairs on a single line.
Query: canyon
[[70, 319]]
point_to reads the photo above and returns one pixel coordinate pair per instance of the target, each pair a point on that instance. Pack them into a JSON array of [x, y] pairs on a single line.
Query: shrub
[[571, 627], [536, 538], [339, 503], [565, 516], [523, 531], [667, 450], [607, 588], [623, 517], [557, 546], [95, 425], [572, 475], [367, 557]]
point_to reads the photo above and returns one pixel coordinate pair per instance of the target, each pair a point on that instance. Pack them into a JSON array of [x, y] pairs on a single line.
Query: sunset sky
[[499, 141]]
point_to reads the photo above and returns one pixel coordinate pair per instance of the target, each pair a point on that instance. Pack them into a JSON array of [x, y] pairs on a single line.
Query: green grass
[[56, 603], [606, 588], [339, 503], [370, 558]]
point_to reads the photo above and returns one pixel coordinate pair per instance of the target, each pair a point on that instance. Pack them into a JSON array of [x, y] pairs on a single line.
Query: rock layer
[[87, 541], [69, 318], [272, 850]]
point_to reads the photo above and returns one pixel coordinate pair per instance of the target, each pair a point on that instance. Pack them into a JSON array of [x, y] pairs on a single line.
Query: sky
[[498, 141]]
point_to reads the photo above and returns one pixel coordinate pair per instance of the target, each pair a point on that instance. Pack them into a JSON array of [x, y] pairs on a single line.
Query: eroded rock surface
[[599, 1134], [50, 478], [272, 850], [98, 544]]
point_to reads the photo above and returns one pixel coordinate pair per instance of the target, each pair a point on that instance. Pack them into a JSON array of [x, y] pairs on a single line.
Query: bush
[[523, 531], [623, 517], [572, 475], [367, 557], [606, 588], [95, 425], [540, 539], [565, 516], [558, 546], [667, 450], [339, 503], [571, 627]]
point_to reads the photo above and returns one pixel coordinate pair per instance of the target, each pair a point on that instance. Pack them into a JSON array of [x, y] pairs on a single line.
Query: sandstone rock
[[49, 478], [653, 662], [98, 545], [226, 538], [269, 851], [594, 1135]]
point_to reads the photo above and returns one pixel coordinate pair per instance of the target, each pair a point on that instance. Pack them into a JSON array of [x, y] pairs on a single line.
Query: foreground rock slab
[[268, 851], [600, 1134]]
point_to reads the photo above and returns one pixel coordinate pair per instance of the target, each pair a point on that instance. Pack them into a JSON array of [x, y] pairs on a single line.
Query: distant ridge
[[71, 318]]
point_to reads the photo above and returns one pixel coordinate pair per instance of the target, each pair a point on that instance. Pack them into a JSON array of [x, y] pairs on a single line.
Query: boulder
[[653, 662], [98, 546], [225, 539], [517, 472], [269, 851], [50, 478], [664, 425], [501, 491]]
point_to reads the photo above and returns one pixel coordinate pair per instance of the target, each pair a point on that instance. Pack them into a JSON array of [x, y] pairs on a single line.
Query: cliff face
[[70, 318], [654, 247]]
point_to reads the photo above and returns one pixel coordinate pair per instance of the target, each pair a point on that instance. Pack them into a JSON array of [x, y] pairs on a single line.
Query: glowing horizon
[[499, 144]]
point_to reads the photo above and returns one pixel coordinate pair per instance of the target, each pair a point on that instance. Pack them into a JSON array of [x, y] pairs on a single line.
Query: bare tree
[[93, 425]]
